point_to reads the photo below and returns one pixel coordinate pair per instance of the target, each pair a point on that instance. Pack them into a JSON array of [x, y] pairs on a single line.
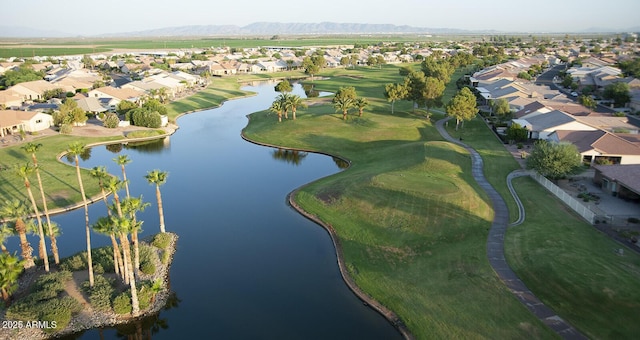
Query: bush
[[111, 121], [101, 293], [633, 220], [66, 129], [48, 286], [148, 268], [161, 240], [122, 304], [145, 294], [75, 262]]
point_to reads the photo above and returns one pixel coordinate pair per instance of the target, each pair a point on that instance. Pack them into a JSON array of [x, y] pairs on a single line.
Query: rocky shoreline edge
[[89, 318]]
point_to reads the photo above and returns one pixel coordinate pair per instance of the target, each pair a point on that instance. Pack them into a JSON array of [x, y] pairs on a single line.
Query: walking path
[[495, 244]]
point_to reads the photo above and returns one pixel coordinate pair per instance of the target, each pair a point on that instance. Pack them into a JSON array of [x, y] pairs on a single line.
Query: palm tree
[[114, 185], [130, 206], [344, 100], [32, 148], [294, 102], [24, 172], [158, 178], [283, 98], [361, 103], [123, 160], [15, 211], [75, 149], [124, 226], [277, 107], [100, 173], [104, 225], [10, 269]]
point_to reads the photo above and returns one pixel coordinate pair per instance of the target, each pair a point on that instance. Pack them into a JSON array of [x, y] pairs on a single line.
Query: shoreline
[[388, 314], [90, 319]]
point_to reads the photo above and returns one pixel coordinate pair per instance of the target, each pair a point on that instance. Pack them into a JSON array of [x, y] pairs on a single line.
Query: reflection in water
[[85, 156], [341, 163], [146, 327], [309, 91], [290, 156], [151, 146], [115, 148]]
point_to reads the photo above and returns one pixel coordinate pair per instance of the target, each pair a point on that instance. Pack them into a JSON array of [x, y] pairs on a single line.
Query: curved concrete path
[[495, 244]]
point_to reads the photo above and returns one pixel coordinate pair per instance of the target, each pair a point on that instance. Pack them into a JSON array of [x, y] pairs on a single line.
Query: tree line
[[120, 224]]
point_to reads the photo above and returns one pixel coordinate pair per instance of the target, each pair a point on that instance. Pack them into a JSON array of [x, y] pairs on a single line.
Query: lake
[[247, 265]]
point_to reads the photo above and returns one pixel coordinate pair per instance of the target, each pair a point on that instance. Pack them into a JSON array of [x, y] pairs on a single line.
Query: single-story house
[[543, 125], [12, 121], [619, 180], [599, 145]]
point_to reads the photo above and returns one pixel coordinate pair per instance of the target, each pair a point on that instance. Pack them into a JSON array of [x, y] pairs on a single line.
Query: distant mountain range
[[267, 28], [273, 28]]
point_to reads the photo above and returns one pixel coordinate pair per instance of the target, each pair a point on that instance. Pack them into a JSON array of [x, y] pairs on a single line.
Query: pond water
[[247, 265]]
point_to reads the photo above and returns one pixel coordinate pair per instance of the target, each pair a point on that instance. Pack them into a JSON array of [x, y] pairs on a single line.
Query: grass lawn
[[58, 179], [221, 89], [410, 218], [573, 268]]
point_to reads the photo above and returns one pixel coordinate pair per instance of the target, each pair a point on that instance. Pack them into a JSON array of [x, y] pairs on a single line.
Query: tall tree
[[16, 212], [32, 148], [344, 100], [618, 92], [432, 92], [123, 160], [554, 160], [158, 178], [310, 67], [10, 269], [395, 92], [105, 226], [123, 226], [100, 173], [501, 107], [415, 83], [24, 172], [114, 185], [294, 102], [130, 207], [360, 103], [75, 149], [462, 106]]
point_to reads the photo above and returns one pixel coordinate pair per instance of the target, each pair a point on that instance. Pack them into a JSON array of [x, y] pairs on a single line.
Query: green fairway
[[58, 179], [411, 220], [573, 268]]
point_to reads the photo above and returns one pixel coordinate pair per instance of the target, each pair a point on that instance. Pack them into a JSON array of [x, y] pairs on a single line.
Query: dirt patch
[[329, 196]]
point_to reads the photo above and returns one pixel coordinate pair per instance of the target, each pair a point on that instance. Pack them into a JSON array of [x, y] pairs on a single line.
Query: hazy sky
[[89, 17]]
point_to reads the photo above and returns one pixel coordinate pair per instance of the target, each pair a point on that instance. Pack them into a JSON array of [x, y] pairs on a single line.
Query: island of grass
[[61, 302], [411, 224]]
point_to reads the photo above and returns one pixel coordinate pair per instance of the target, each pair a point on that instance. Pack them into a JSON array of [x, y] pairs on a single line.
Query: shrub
[[165, 257], [101, 293], [148, 268], [519, 145], [66, 129], [145, 294], [111, 121], [122, 304], [161, 240], [75, 262], [633, 220]]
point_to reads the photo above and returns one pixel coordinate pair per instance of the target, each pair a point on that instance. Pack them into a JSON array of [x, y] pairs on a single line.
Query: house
[[600, 146], [34, 90], [91, 105], [9, 98], [12, 121], [113, 96], [619, 180], [543, 125]]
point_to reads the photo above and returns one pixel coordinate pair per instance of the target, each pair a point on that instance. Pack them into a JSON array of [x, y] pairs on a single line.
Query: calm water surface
[[247, 265]]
